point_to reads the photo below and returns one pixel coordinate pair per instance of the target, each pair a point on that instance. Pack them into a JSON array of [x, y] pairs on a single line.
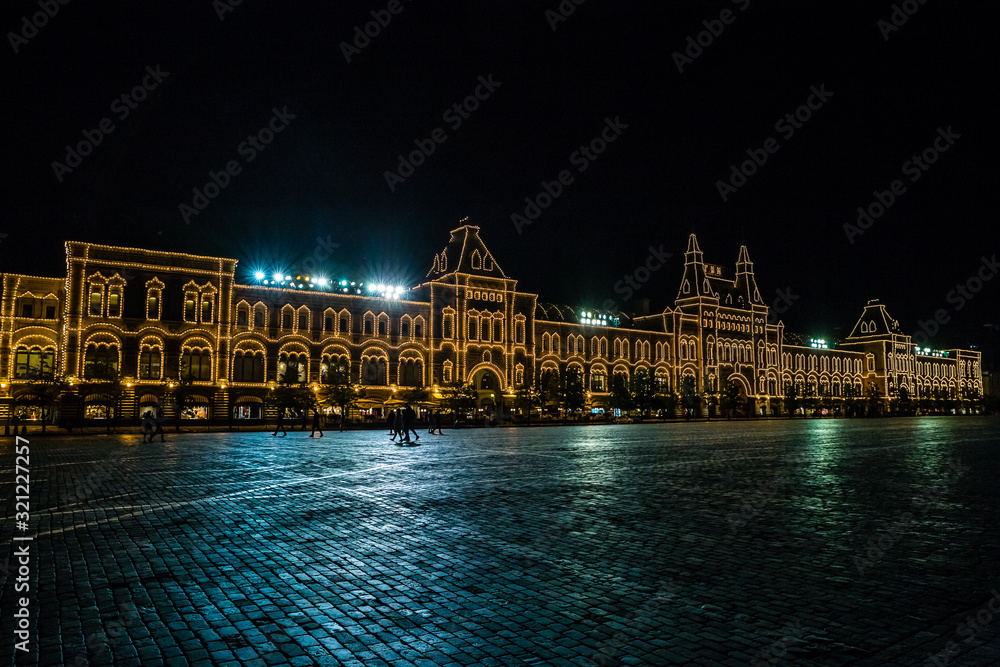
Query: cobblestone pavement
[[808, 542]]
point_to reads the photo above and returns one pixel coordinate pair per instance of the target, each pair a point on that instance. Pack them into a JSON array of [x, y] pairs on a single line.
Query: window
[[519, 375], [50, 312], [206, 309], [258, 318], [114, 302], [149, 364], [381, 328], [373, 371], [519, 332], [598, 381], [241, 318], [418, 330], [497, 330], [100, 362], [34, 363], [473, 326], [404, 329], [327, 323], [96, 298], [189, 306], [196, 364], [410, 373], [343, 325], [368, 326], [286, 320], [446, 371], [26, 310], [248, 367], [303, 321], [446, 326]]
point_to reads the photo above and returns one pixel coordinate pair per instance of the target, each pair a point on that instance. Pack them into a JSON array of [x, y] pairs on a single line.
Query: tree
[[105, 388], [550, 388], [339, 391], [730, 397], [668, 403], [810, 399], [574, 394], [291, 393], [526, 399], [459, 398], [621, 397], [826, 398], [644, 392], [874, 399], [181, 396], [46, 388], [415, 395], [851, 396], [689, 395], [791, 399]]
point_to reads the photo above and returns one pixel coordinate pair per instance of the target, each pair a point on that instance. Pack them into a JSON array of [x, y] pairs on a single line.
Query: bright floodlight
[[259, 275], [279, 277]]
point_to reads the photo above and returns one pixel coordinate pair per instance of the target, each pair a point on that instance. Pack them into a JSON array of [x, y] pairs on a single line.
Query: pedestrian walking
[[158, 422], [316, 426], [147, 425], [392, 419], [409, 417], [436, 422], [280, 426]]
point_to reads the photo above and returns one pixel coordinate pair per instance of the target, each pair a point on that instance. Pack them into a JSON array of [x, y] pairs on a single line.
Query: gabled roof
[[875, 321], [465, 253]]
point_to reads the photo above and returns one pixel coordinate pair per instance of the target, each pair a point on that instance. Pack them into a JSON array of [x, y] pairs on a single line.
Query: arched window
[[149, 363], [206, 308], [34, 363], [598, 381], [190, 306], [196, 364], [410, 373], [473, 327], [242, 315], [100, 361], [115, 301], [248, 366], [373, 371], [96, 300]]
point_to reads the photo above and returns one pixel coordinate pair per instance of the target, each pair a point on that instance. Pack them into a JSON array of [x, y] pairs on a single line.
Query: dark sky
[[323, 175]]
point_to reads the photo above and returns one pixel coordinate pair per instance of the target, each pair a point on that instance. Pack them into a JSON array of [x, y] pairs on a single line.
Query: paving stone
[[516, 546]]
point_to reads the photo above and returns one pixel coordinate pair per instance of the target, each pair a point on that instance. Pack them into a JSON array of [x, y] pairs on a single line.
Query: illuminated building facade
[[153, 316]]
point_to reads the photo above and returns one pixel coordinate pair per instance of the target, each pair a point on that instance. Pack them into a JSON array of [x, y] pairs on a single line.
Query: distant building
[[152, 317]]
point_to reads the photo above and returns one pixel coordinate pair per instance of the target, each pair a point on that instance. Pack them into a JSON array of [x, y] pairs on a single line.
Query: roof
[[875, 321], [465, 253]]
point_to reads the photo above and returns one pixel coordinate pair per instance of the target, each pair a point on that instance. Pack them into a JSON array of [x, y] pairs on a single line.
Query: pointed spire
[[743, 263], [693, 252], [693, 244]]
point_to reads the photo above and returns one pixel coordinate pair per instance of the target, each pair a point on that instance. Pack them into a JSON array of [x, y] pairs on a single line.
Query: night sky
[[678, 134]]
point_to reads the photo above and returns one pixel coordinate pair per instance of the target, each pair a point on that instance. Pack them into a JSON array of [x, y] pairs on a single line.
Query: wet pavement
[[807, 542]]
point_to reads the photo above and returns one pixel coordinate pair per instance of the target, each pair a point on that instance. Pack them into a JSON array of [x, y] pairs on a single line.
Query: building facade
[[152, 317]]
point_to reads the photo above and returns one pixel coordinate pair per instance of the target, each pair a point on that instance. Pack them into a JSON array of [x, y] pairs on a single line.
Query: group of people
[[316, 426], [401, 423], [152, 424]]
